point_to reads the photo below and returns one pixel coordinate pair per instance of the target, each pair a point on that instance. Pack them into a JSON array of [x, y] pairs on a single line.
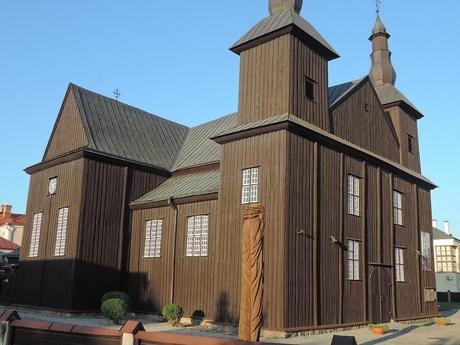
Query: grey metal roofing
[[126, 132], [281, 20], [441, 235], [337, 92], [183, 186], [379, 27], [294, 119], [388, 94], [198, 149]]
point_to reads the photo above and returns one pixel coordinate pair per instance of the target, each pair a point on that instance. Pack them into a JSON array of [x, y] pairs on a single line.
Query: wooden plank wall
[[353, 295], [104, 227], [272, 82], [306, 62], [99, 235], [268, 152], [407, 237], [264, 75], [404, 125], [151, 279], [352, 122], [50, 276], [299, 235], [69, 133]]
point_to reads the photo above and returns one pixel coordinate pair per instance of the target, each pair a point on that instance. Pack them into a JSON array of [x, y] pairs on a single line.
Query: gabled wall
[[68, 132], [369, 128]]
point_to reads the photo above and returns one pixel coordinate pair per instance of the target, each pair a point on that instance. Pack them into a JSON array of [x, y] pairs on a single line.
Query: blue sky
[[171, 58]]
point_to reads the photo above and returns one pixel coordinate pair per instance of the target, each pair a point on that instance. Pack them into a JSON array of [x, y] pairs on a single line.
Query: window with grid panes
[[153, 236], [197, 235], [399, 264], [397, 208], [353, 195], [353, 260], [445, 259], [61, 232], [35, 237], [250, 189]]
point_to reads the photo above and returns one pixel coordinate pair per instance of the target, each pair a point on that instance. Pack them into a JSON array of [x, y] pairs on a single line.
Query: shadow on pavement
[[392, 336]]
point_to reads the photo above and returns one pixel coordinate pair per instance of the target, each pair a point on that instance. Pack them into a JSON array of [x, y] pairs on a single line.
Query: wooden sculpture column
[[252, 273]]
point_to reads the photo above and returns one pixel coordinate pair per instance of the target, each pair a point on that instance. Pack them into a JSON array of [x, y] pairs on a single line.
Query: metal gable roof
[[279, 21], [390, 94], [183, 186], [127, 132], [198, 148]]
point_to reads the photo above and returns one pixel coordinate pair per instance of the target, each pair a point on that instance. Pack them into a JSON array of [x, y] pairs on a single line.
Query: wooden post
[[315, 281], [341, 235]]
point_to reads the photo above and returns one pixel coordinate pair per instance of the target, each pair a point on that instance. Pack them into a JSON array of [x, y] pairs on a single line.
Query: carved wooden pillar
[[252, 273]]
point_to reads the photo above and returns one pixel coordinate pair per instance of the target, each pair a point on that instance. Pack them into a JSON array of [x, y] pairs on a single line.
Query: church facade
[[126, 200]]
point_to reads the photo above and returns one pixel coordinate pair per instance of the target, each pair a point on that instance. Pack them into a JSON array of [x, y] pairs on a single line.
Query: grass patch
[[447, 306]]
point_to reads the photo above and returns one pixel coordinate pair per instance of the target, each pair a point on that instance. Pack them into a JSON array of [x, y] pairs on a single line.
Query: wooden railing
[[27, 332]]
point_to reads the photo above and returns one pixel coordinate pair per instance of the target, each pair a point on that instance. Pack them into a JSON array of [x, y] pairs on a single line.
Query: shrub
[[114, 309], [172, 312], [442, 321], [198, 314], [116, 295], [373, 325]]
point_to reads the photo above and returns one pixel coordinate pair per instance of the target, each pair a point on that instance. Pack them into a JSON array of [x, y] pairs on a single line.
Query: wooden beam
[[393, 272], [315, 204], [364, 237], [341, 235]]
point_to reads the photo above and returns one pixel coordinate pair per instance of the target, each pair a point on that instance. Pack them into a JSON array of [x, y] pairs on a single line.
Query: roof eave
[[405, 106], [329, 54]]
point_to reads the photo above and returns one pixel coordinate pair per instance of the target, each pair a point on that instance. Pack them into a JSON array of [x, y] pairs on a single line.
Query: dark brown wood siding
[[268, 152], [151, 279], [299, 294], [68, 134], [51, 277], [272, 82], [406, 125], [105, 227], [368, 127]]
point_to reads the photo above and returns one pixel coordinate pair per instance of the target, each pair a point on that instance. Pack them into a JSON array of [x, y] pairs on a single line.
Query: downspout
[[173, 205]]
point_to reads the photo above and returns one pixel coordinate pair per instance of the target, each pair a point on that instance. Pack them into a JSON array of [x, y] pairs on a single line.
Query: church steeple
[[276, 6], [382, 71]]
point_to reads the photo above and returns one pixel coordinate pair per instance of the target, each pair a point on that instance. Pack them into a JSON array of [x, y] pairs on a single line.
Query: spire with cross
[[117, 94], [378, 5]]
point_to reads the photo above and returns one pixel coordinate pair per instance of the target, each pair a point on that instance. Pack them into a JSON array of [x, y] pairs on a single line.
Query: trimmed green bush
[[114, 309], [172, 312], [116, 295]]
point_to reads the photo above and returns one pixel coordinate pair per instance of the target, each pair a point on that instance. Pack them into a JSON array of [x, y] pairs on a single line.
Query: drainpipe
[[173, 205]]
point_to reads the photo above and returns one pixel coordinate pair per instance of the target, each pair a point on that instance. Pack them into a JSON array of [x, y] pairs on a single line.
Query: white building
[[11, 224], [447, 259]]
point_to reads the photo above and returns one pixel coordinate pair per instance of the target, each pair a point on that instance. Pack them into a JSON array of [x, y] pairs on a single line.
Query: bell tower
[[284, 68]]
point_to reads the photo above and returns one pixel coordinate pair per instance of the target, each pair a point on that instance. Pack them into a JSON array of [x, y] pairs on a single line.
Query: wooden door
[[379, 295]]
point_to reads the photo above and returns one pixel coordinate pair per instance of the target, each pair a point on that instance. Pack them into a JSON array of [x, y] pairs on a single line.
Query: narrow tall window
[[309, 88], [353, 260], [35, 237], [61, 233], [410, 143], [52, 186], [197, 236], [353, 195], [397, 208], [153, 235], [250, 189], [399, 264], [426, 250]]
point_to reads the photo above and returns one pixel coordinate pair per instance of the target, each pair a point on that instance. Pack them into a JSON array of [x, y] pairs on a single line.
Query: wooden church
[[126, 200]]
